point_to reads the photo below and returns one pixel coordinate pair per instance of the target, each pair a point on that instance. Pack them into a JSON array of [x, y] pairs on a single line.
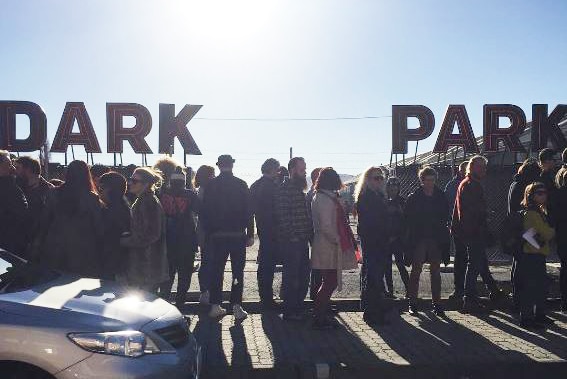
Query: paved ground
[[458, 346]]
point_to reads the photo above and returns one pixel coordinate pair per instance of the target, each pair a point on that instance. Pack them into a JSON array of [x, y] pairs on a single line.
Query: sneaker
[[438, 310], [216, 311], [204, 298], [238, 312]]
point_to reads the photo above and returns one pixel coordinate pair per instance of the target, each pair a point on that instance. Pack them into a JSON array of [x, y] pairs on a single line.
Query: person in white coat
[[333, 245]]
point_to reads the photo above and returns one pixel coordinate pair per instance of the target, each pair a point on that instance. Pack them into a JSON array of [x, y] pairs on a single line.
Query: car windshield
[[17, 274]]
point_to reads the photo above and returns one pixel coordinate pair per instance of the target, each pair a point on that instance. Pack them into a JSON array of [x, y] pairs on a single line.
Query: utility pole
[[290, 153]]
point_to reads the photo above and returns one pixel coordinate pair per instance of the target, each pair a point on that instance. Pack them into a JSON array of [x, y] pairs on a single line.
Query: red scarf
[[347, 241]]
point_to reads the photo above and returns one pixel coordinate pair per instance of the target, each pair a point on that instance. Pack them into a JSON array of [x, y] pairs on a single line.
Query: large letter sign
[[38, 126], [65, 136], [546, 127], [117, 133], [465, 138], [400, 132], [171, 126], [493, 134]]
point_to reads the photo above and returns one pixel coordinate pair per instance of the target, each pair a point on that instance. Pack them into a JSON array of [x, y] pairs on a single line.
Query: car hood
[[93, 303]]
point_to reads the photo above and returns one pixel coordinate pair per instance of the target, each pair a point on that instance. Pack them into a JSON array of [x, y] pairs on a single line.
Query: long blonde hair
[[362, 183]]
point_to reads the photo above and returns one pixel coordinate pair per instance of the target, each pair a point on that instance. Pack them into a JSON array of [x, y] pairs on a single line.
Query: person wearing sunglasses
[[531, 267], [373, 230], [147, 259]]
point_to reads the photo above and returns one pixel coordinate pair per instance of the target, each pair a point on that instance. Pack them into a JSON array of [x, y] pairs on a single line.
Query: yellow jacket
[[545, 232]]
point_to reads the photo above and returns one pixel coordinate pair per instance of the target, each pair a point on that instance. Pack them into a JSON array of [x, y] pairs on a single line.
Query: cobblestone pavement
[[457, 346]]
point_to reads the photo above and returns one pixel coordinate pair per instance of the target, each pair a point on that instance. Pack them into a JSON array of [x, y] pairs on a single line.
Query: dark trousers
[[374, 260], [477, 265], [399, 255], [533, 278], [267, 258], [295, 278], [563, 281], [180, 263], [221, 248], [460, 267], [515, 279], [329, 283], [205, 270], [315, 283]]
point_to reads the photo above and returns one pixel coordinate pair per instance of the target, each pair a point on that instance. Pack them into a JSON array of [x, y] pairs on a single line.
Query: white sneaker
[[238, 312], [204, 298], [216, 311]]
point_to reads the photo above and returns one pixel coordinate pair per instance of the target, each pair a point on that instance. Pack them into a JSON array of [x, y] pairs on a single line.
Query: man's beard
[[301, 181]]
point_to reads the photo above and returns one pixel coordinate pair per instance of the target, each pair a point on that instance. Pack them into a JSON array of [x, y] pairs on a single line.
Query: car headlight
[[129, 343]]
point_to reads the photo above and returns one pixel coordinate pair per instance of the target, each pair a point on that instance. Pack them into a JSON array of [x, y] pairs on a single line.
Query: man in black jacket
[[295, 229], [13, 208], [263, 201], [229, 225], [35, 188]]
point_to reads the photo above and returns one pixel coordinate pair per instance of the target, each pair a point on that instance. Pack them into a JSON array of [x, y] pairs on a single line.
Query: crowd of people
[[145, 229]]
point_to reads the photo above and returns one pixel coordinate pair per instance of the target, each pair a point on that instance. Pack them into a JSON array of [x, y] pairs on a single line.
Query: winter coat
[[13, 216], [263, 193], [116, 219], [227, 207], [292, 212], [395, 210], [470, 215], [374, 227], [426, 217], [326, 252], [544, 232], [180, 207], [71, 241], [147, 258], [37, 199]]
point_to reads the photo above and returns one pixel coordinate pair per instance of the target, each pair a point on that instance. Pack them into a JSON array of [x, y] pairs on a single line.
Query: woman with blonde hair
[[147, 264], [373, 230]]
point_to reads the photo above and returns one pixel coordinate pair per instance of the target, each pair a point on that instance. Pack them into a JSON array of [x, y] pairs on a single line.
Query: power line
[[292, 119]]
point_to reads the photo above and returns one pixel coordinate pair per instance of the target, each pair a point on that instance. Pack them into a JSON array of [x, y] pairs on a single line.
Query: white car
[[56, 325]]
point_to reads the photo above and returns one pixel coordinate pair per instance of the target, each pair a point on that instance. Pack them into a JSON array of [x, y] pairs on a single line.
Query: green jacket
[[545, 232]]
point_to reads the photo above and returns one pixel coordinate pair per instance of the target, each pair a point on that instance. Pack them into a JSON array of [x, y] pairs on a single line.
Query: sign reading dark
[[170, 127], [544, 128]]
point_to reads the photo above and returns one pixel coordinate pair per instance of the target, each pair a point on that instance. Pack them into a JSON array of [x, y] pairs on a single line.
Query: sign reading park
[[544, 128], [170, 127]]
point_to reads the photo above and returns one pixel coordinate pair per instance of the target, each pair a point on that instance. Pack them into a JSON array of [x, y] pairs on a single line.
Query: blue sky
[[283, 59]]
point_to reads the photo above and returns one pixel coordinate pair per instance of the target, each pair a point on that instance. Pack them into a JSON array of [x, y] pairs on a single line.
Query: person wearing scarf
[[333, 245]]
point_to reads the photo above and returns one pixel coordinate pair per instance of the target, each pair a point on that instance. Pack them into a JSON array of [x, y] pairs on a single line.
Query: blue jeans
[[295, 278], [477, 265]]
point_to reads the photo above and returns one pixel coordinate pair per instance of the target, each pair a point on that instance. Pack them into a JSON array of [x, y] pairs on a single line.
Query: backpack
[[511, 240]]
